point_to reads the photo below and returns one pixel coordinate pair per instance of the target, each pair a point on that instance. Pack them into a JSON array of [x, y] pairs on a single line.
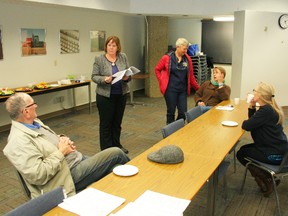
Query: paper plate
[[229, 123], [125, 170]]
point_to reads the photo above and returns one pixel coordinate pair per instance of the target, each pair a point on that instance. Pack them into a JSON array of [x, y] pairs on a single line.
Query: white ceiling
[[171, 8]]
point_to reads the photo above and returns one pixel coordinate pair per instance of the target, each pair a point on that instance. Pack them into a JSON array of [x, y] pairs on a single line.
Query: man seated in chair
[[46, 160], [213, 92]]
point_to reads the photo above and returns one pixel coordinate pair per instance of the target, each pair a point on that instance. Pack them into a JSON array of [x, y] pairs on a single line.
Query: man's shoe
[[124, 150]]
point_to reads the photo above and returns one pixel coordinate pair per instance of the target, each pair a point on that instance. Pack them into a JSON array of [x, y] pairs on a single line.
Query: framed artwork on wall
[[69, 41], [97, 40], [1, 47], [33, 41]]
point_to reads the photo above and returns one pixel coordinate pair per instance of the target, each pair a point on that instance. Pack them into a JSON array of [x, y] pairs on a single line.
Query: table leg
[[212, 189], [131, 92], [89, 97], [132, 102], [74, 99]]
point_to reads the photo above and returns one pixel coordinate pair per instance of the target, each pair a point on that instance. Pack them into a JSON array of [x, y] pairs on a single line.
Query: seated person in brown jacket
[[213, 92]]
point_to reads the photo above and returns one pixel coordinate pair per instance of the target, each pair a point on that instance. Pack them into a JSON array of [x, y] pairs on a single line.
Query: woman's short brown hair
[[113, 39], [222, 70]]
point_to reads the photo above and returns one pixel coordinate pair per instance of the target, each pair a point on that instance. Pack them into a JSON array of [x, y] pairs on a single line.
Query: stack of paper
[[91, 202], [156, 204], [229, 107]]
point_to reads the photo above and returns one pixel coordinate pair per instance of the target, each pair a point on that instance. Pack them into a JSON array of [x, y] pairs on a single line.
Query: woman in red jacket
[[175, 74]]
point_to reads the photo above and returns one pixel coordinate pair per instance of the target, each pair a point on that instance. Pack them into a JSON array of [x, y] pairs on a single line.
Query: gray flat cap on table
[[170, 154]]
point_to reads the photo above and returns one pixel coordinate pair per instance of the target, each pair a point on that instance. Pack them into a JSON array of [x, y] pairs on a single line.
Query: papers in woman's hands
[[128, 72]]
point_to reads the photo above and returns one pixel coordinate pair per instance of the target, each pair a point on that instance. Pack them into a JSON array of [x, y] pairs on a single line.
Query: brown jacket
[[211, 95]]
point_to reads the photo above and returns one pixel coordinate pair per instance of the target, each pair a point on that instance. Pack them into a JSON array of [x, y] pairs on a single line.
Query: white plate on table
[[229, 123], [125, 170]]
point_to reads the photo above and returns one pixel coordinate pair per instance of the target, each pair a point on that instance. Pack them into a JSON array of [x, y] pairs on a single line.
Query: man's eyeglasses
[[30, 105], [34, 103]]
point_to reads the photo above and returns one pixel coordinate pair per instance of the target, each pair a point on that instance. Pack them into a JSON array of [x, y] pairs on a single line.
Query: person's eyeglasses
[[30, 105], [34, 103]]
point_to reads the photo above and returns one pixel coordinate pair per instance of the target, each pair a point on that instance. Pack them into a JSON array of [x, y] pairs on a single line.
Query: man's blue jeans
[[93, 168], [205, 108]]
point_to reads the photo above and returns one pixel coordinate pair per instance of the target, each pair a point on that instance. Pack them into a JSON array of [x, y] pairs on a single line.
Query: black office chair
[[172, 127], [24, 187], [276, 171], [39, 205], [193, 113]]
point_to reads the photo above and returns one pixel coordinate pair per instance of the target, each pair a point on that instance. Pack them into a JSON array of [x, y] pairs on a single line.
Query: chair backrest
[[193, 113], [24, 187], [172, 127], [39, 205], [278, 169], [283, 168]]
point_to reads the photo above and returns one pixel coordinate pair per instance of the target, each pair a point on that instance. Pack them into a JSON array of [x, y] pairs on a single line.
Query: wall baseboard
[[54, 114]]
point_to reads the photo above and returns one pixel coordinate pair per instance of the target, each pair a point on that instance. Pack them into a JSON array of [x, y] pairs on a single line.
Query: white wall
[[260, 50], [18, 71], [187, 28]]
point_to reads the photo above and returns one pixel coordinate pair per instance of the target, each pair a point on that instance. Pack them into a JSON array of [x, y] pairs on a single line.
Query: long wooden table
[[138, 76], [205, 142], [72, 86]]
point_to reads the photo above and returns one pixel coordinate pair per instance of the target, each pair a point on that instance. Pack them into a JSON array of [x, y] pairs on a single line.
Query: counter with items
[[45, 88]]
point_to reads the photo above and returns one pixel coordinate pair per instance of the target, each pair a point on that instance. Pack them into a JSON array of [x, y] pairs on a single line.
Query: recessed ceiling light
[[224, 18]]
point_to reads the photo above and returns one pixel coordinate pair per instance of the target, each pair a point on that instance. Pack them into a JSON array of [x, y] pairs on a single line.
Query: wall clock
[[283, 21]]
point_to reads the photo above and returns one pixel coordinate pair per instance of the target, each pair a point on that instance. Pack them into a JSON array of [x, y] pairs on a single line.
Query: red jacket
[[162, 71]]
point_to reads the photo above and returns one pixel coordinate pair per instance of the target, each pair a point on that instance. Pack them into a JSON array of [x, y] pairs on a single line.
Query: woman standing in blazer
[[111, 98]]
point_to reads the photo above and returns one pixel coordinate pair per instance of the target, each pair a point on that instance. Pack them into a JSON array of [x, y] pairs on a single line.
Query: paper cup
[[82, 78], [236, 101], [249, 98]]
